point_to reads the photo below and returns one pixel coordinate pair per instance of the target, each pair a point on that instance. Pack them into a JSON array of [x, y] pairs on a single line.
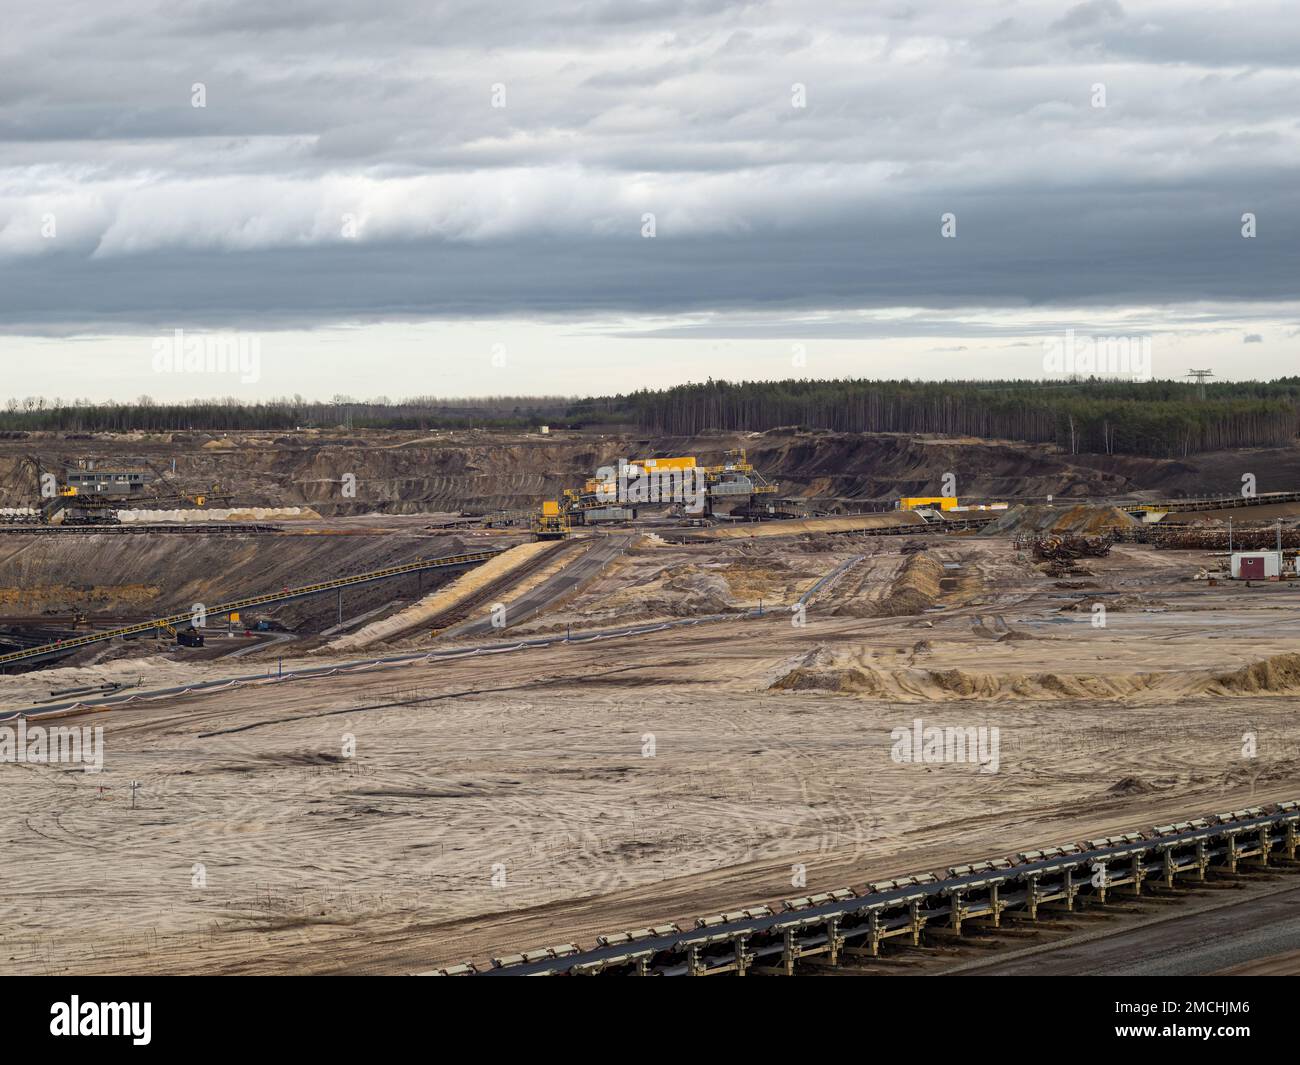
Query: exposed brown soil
[[769, 736], [1279, 673], [414, 472], [114, 578], [1079, 519]]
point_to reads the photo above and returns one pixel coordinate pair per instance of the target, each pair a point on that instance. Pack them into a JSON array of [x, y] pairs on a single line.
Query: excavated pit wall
[[412, 472]]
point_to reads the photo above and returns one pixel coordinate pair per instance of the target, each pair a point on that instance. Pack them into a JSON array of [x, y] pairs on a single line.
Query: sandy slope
[[455, 593]]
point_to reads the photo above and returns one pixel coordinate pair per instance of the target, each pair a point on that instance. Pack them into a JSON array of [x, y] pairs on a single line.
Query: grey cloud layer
[[322, 112]]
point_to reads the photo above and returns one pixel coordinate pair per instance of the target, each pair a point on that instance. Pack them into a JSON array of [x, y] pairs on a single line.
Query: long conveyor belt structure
[[842, 927]]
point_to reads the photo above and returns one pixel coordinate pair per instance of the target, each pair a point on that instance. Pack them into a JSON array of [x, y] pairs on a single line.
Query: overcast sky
[[444, 197]]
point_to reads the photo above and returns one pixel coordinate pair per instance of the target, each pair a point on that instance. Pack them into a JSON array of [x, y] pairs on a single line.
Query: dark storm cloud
[[349, 165]]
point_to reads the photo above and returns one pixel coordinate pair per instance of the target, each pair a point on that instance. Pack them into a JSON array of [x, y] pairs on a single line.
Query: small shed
[[1256, 565]]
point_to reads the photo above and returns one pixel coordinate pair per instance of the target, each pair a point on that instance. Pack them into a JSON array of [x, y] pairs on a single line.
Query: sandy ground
[[389, 820], [655, 580], [220, 514], [455, 593], [804, 526]]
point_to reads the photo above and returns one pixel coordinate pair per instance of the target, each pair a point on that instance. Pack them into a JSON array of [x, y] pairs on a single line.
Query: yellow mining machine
[[600, 499], [552, 523]]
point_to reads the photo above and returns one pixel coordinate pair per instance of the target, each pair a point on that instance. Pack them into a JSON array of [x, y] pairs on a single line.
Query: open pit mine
[[512, 702]]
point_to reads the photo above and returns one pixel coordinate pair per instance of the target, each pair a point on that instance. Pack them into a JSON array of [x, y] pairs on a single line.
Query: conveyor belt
[[130, 529], [1214, 503], [856, 921], [222, 609]]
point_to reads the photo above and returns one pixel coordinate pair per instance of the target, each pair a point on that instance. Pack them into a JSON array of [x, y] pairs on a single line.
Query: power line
[[1200, 376]]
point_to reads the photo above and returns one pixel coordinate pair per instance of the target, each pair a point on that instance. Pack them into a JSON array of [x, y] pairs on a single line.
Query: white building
[[1256, 565]]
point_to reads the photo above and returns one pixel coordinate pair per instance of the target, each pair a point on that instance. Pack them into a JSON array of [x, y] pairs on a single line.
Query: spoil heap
[[1079, 520]]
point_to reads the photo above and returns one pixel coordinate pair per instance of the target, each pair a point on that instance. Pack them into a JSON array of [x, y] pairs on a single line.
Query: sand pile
[[693, 591], [1080, 520], [996, 628], [220, 514], [844, 681], [942, 685], [750, 579], [688, 589], [1280, 673], [914, 590], [1131, 786], [817, 671], [847, 673]]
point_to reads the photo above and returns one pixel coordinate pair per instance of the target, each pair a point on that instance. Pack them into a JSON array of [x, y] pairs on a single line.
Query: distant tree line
[[1155, 418], [420, 412]]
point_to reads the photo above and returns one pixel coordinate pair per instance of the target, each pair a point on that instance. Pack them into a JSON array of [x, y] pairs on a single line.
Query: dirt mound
[[1116, 603], [818, 671], [846, 681], [700, 592], [990, 628], [914, 586], [852, 672], [848, 673], [682, 591], [1081, 519], [914, 590], [1280, 673], [1131, 786]]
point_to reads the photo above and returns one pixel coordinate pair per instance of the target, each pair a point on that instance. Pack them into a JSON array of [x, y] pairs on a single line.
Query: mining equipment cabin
[[112, 482], [92, 498]]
